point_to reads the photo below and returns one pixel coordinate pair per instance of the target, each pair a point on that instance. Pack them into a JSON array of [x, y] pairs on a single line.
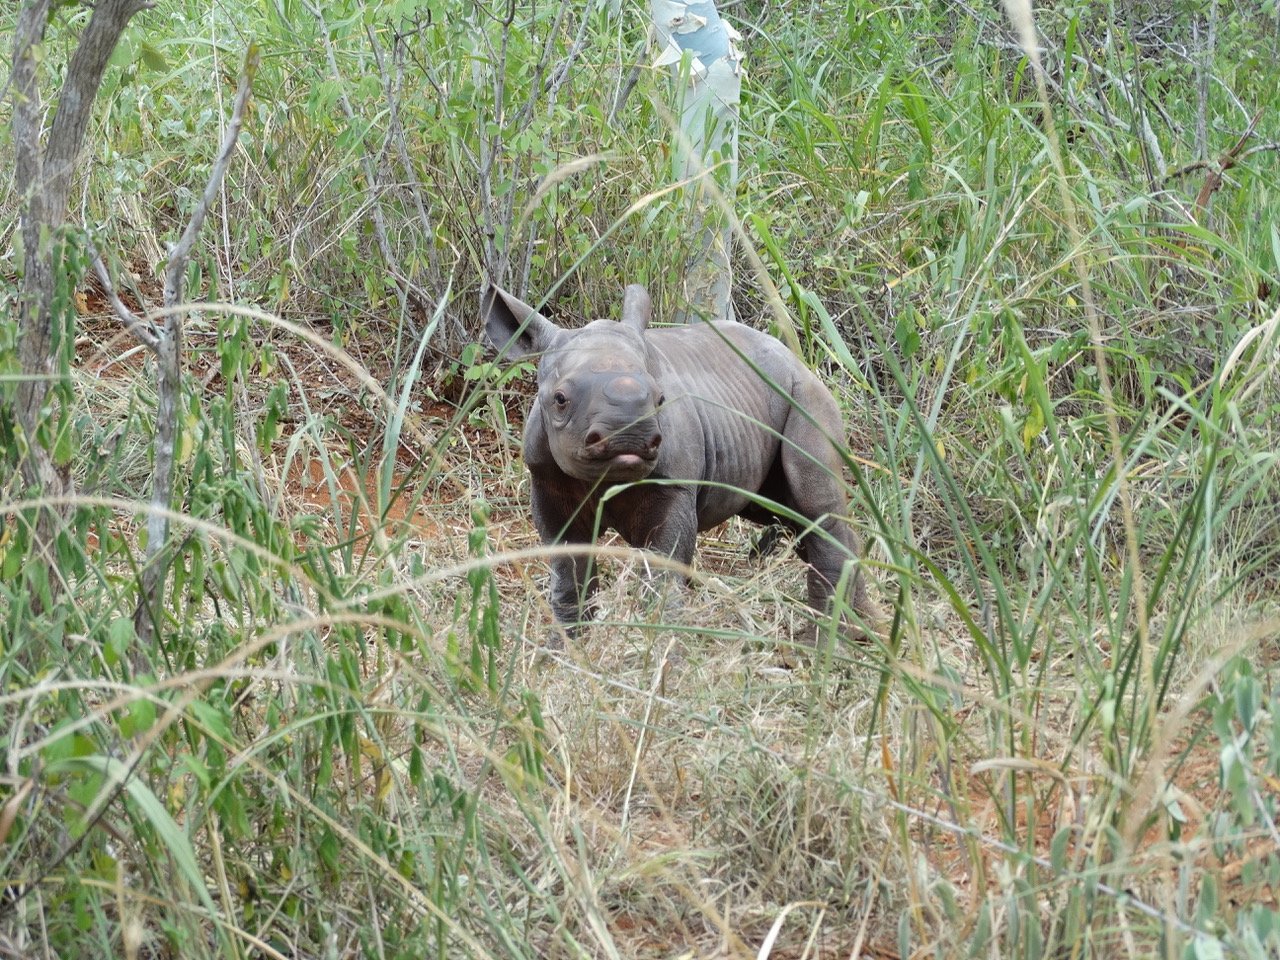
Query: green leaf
[[152, 58], [172, 837], [1207, 908], [139, 718], [198, 769], [1069, 48], [1248, 697], [1208, 948], [63, 447], [1058, 848], [67, 747], [120, 635], [212, 719], [907, 333], [1034, 425], [917, 111], [328, 850], [11, 565]]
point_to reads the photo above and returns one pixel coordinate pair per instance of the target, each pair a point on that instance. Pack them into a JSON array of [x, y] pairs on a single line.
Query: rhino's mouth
[[631, 461], [621, 465]]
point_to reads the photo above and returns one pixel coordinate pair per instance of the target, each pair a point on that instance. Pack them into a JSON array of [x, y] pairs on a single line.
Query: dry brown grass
[[709, 788]]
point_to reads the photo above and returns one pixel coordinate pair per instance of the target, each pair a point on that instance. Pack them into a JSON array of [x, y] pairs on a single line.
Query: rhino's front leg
[[573, 578], [573, 587], [664, 520]]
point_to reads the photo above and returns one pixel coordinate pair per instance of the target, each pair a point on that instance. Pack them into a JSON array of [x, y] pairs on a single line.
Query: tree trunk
[[35, 314], [43, 179], [701, 49]]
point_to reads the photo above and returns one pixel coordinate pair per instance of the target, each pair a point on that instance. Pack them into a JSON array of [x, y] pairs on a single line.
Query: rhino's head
[[597, 399]]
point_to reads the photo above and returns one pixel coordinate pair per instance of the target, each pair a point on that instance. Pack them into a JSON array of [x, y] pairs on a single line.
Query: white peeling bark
[[701, 49]]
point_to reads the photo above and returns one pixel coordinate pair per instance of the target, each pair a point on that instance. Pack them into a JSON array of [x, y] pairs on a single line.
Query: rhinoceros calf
[[725, 407]]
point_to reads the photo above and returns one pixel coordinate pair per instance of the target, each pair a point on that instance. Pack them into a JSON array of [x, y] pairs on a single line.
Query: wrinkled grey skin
[[618, 403]]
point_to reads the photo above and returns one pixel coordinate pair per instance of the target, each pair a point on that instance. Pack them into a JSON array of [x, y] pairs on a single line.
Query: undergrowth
[[349, 740]]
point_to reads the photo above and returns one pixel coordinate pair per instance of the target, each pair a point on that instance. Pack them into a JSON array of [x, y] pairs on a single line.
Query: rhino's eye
[[662, 399], [560, 398]]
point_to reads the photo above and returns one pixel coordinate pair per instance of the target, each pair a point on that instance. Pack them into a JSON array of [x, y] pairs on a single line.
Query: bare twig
[[491, 149], [392, 87], [181, 253], [1204, 58], [620, 99], [558, 78], [141, 327], [1271, 146], [565, 67], [167, 347], [539, 71], [410, 293]]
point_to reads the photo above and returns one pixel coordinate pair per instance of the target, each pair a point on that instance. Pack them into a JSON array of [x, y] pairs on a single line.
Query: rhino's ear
[[512, 326], [637, 307]]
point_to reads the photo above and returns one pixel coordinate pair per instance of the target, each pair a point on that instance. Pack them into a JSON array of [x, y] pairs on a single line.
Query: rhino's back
[[722, 363], [721, 418]]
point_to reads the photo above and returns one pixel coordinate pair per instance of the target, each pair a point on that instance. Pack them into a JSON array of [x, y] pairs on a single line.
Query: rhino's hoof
[[556, 640], [664, 603], [873, 622], [867, 627], [563, 631]]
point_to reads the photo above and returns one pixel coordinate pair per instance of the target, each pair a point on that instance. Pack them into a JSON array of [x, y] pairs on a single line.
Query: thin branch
[[548, 49], [412, 294], [42, 178], [620, 100], [168, 350], [1270, 146], [28, 160], [565, 67], [182, 251], [140, 327], [392, 88]]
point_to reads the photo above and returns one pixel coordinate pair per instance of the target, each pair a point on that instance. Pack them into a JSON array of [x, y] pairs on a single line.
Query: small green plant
[[486, 379]]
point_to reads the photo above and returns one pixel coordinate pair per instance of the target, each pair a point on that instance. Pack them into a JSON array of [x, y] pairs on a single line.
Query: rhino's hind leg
[[826, 562], [813, 475]]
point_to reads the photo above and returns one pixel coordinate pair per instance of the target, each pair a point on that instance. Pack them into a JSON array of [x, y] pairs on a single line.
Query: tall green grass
[[346, 743]]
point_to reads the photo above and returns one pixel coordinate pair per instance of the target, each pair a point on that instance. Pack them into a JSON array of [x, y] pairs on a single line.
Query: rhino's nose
[[596, 436], [599, 441]]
